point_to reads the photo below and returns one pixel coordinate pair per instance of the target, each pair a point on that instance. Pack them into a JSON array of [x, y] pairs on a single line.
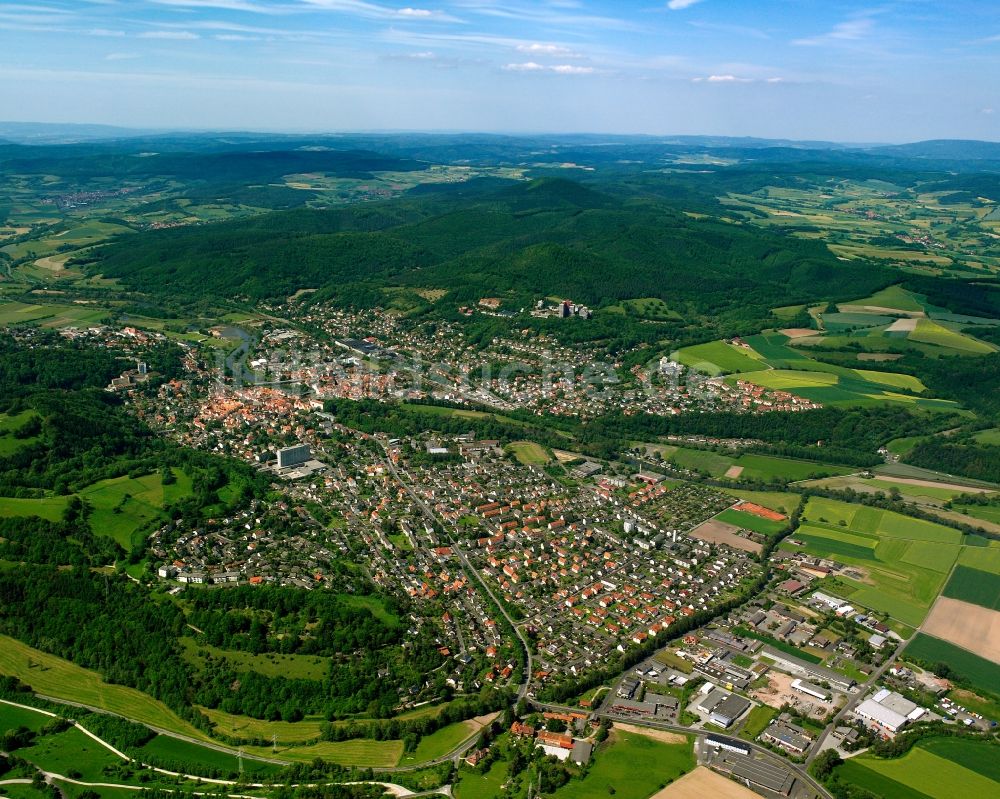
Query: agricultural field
[[630, 766], [50, 508], [770, 467], [923, 492], [989, 513], [982, 554], [360, 752], [702, 783], [930, 332], [718, 357], [954, 770], [971, 627], [975, 586], [904, 561], [60, 679], [980, 673]]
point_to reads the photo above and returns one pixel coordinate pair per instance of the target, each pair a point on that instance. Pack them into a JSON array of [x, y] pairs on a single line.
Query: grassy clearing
[[630, 767], [770, 467], [50, 508], [990, 437], [124, 506], [529, 453], [302, 667], [892, 297], [372, 604], [48, 674]]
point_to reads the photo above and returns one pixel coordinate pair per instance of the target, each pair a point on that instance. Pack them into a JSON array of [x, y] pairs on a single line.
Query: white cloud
[[528, 66], [680, 5], [988, 111], [415, 12], [104, 32], [178, 36], [120, 56], [559, 69], [545, 49], [235, 37]]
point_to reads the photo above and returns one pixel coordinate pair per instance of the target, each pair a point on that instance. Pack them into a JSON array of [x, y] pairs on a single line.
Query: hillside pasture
[[60, 679]]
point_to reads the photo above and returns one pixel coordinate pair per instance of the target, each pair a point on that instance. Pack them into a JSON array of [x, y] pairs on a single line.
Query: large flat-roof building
[[293, 456]]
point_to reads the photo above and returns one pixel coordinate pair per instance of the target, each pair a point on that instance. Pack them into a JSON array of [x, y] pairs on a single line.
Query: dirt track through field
[[966, 625], [703, 783]]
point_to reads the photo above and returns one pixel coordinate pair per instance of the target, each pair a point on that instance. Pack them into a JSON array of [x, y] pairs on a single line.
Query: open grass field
[[718, 357], [244, 727], [58, 678], [983, 757], [990, 437], [980, 673], [372, 604], [441, 742], [529, 453], [921, 771], [974, 586], [50, 508], [749, 521], [70, 751], [295, 667], [13, 717], [631, 767], [988, 513], [359, 752], [191, 758], [699, 460], [124, 506], [894, 297], [972, 627], [473, 785], [769, 467]]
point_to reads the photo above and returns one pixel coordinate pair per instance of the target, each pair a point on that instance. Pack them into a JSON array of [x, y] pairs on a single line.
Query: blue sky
[[819, 69]]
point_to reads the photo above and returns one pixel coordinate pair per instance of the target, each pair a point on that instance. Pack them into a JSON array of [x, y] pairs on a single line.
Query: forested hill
[[541, 238]]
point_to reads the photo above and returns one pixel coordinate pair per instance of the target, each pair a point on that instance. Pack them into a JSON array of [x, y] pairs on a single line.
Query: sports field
[[529, 453], [61, 679]]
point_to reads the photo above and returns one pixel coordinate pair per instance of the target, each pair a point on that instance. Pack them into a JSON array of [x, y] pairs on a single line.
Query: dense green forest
[[547, 237]]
